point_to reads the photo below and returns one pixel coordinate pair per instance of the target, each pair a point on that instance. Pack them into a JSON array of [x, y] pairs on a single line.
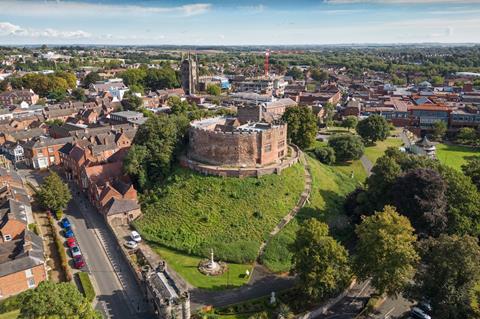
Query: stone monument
[[210, 267]]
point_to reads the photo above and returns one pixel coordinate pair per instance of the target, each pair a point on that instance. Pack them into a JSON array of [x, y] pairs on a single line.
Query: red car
[[78, 262], [71, 242]]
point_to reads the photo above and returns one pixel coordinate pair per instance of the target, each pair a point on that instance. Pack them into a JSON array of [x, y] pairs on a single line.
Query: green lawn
[[329, 188], [454, 155], [194, 213], [376, 151], [186, 266], [10, 315], [359, 173]]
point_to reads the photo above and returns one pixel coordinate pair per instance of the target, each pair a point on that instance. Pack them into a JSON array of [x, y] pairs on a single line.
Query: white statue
[[273, 300]]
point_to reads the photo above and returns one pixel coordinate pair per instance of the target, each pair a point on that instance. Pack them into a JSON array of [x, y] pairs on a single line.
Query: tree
[[53, 193], [319, 260], [467, 135], [325, 154], [472, 170], [373, 128], [157, 143], [134, 76], [302, 126], [438, 81], [385, 251], [421, 196], [69, 77], [91, 78], [163, 78], [350, 122], [449, 276], [384, 175], [319, 75], [78, 94], [214, 89], [347, 147], [132, 102], [439, 130], [296, 73], [56, 300]]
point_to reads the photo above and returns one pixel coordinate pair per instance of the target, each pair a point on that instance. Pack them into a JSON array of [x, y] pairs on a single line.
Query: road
[[393, 308], [118, 294]]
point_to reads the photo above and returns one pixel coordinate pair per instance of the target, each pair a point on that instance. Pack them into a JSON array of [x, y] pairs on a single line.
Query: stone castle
[[225, 141]]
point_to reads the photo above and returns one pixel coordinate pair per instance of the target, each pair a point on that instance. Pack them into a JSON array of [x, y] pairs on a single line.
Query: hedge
[[87, 287], [61, 250], [34, 227]]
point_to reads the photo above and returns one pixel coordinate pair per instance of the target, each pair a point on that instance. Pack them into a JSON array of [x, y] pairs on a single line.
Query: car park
[[135, 236], [419, 313], [75, 251], [79, 262], [65, 223], [71, 242], [68, 232], [131, 244]]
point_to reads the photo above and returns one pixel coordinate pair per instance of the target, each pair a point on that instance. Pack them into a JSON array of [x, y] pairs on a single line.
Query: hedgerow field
[[193, 213]]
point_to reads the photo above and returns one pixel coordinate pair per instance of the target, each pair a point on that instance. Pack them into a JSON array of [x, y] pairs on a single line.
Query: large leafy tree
[[157, 143], [421, 196], [54, 193], [56, 300], [163, 78], [350, 122], [347, 147], [132, 102], [302, 126], [91, 78], [450, 276], [472, 170], [319, 260], [385, 251], [439, 130], [374, 128]]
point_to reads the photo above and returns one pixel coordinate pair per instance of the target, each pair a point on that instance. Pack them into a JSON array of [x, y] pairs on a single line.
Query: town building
[[17, 96]]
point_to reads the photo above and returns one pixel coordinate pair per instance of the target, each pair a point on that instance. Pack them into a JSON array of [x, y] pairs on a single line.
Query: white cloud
[[401, 1], [61, 8], [9, 29], [255, 9]]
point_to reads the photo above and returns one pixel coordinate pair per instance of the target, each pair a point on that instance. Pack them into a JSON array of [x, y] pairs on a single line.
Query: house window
[[31, 282], [50, 149], [28, 273], [7, 237], [268, 147]]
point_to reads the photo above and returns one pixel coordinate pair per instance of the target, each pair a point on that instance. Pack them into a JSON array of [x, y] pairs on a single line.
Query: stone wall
[[243, 149]]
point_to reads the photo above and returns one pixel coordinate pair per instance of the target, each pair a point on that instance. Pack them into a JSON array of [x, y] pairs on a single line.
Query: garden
[[455, 155]]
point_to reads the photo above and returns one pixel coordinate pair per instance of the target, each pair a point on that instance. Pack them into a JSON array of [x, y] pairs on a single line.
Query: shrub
[[61, 249], [11, 303], [58, 214], [325, 154], [347, 147], [87, 287]]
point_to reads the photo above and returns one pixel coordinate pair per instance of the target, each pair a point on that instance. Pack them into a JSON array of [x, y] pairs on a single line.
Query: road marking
[[360, 292], [388, 313]]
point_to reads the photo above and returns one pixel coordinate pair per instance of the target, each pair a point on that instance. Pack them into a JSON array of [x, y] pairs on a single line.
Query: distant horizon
[[238, 23]]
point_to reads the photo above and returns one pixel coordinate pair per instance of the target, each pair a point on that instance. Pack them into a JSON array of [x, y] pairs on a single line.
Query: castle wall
[[244, 149]]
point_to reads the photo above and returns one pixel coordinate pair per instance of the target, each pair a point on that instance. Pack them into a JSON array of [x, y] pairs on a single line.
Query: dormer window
[[7, 237]]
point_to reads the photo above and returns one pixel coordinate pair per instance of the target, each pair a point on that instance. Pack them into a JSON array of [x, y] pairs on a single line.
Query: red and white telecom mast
[[267, 58]]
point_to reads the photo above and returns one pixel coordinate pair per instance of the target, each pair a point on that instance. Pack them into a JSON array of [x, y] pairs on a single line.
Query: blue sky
[[228, 22]]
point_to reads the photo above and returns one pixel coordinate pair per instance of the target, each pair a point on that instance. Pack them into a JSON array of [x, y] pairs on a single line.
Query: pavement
[[393, 308], [367, 164], [118, 294]]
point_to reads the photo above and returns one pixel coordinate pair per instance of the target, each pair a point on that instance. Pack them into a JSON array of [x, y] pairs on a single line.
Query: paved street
[[393, 308], [118, 294]]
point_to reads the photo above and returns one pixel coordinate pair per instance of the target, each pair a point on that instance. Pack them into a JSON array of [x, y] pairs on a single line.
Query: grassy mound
[[192, 213], [329, 188]]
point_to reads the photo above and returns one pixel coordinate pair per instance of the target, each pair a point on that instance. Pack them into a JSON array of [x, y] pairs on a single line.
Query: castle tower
[[189, 75]]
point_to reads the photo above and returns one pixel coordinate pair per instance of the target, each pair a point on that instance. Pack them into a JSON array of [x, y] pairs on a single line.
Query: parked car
[[71, 242], [68, 232], [425, 306], [131, 244], [419, 313], [135, 236], [75, 251], [78, 262], [65, 223]]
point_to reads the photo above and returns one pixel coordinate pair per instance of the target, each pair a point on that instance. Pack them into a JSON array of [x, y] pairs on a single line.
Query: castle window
[[268, 148], [281, 132], [269, 136], [281, 144]]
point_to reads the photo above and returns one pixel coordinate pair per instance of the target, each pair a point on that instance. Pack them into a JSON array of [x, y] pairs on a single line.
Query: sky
[[229, 22]]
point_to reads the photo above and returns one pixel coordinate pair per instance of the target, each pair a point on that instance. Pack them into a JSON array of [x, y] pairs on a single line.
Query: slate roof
[[14, 257], [120, 206]]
